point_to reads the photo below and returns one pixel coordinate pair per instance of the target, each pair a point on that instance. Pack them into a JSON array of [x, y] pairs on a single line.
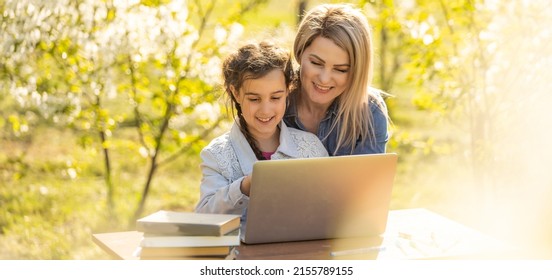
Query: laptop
[[319, 198]]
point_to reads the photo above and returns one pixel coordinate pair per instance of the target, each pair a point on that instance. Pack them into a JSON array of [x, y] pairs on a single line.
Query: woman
[[334, 100], [257, 78]]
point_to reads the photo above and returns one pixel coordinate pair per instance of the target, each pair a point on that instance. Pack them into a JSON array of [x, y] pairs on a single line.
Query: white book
[[230, 239], [188, 223]]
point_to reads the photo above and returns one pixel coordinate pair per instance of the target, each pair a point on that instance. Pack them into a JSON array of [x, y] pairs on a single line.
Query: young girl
[[257, 79]]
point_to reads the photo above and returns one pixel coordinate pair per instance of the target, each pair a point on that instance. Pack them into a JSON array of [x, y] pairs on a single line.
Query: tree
[[436, 48], [103, 66]]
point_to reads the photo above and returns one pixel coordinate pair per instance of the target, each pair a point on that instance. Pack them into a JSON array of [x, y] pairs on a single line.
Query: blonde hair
[[348, 28]]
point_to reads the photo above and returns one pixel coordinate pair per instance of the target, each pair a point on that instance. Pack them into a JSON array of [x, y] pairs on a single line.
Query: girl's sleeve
[[217, 193]]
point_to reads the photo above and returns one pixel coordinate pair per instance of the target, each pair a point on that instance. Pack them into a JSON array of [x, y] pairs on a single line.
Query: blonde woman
[[333, 97]]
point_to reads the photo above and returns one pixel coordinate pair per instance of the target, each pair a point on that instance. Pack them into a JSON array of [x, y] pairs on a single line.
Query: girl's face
[[263, 103], [324, 71]]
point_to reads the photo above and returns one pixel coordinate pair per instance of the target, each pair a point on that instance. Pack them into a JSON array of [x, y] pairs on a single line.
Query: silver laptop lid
[[319, 198]]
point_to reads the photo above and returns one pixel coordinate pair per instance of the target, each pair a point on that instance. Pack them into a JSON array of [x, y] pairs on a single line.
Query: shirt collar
[[332, 110], [287, 145], [247, 158]]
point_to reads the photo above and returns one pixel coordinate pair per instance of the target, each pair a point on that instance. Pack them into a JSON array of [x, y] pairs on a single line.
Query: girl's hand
[[246, 185]]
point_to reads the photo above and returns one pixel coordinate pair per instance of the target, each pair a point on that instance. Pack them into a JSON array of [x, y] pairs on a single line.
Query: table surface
[[410, 234]]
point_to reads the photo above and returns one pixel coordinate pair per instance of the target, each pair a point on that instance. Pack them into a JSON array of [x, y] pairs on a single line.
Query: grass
[[49, 213]]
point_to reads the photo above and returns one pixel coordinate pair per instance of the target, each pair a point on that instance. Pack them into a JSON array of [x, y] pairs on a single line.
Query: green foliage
[[104, 104], [136, 96]]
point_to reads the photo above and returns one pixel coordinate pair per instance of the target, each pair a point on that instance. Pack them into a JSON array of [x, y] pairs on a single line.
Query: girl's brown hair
[[253, 61]]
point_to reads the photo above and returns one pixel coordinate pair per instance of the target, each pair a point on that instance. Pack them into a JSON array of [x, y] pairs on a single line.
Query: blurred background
[[105, 105]]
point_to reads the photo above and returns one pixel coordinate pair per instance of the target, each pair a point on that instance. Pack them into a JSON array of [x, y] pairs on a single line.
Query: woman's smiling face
[[325, 71]]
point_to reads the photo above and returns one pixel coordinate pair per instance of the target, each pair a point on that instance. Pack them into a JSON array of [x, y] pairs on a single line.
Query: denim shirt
[[329, 138], [229, 158]]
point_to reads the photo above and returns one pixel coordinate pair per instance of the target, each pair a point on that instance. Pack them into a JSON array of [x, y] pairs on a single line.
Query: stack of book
[[186, 235]]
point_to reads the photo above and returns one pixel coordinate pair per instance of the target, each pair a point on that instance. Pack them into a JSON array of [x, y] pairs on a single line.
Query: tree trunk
[[301, 9]]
